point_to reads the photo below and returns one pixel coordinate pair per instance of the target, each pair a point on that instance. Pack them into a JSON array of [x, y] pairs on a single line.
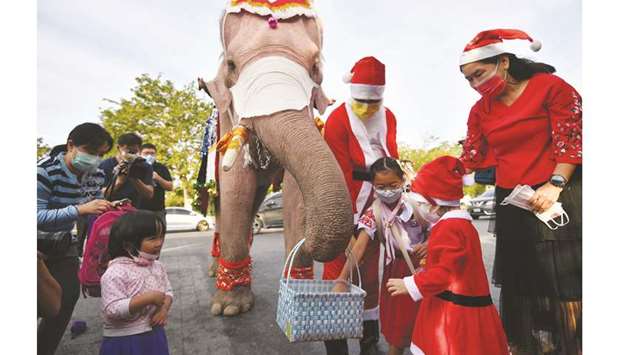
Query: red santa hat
[[367, 79], [490, 43], [440, 182]]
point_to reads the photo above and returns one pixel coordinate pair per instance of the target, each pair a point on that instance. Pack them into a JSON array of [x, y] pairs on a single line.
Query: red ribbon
[[231, 274]]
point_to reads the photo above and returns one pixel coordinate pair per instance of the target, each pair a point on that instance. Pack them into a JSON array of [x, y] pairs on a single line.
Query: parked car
[[482, 205], [179, 218], [269, 213]]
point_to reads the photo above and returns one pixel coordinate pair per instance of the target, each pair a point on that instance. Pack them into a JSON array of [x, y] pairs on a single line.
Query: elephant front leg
[[233, 277]]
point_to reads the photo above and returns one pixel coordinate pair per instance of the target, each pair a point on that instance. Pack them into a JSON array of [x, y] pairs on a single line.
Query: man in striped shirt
[[69, 186]]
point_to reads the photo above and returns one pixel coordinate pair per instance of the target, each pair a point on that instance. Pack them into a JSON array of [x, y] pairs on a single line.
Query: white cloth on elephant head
[[272, 84]]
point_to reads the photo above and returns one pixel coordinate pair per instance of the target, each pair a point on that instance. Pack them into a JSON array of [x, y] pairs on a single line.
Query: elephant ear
[[319, 100], [218, 90]]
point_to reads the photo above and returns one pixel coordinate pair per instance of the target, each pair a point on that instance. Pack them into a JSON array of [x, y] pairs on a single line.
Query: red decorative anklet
[[231, 274]]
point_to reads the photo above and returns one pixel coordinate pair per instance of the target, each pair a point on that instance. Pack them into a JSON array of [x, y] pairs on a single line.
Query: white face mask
[[425, 212], [554, 217], [389, 195]]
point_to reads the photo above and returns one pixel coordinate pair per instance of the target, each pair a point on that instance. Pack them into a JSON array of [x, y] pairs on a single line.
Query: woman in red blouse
[[528, 126]]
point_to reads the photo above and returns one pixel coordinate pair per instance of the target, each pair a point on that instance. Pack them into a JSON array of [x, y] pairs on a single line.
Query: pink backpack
[[96, 256]]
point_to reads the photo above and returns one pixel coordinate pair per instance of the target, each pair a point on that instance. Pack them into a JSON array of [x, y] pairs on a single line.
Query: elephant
[[317, 205]]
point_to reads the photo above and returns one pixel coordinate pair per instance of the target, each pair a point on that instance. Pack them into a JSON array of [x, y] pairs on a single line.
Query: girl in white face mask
[[135, 290], [391, 219]]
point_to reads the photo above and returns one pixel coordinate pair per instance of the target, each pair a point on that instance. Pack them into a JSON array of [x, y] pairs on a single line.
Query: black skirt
[[539, 272]]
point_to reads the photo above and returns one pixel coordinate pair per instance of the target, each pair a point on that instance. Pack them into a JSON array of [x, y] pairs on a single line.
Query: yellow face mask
[[364, 110]]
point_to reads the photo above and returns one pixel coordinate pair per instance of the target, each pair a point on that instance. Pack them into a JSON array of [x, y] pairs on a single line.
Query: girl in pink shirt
[[136, 294]]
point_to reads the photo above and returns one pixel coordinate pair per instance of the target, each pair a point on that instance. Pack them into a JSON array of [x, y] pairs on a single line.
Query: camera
[[136, 165]]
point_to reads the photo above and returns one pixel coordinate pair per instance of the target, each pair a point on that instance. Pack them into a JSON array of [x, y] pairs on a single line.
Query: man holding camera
[[162, 182], [128, 176]]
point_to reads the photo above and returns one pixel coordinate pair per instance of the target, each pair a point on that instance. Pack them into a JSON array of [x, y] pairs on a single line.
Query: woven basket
[[309, 311]]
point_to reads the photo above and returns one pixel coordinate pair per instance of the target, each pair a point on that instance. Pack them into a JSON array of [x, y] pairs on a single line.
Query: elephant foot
[[231, 303], [213, 267]]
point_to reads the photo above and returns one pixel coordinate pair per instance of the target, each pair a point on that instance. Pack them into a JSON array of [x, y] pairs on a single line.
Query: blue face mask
[[84, 162], [149, 159]]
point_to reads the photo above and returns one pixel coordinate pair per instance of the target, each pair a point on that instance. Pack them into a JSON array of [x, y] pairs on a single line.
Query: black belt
[[466, 301], [362, 175]]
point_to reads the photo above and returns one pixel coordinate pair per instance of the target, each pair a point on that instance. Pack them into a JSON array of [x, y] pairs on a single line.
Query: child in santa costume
[[390, 219], [359, 132], [456, 316]]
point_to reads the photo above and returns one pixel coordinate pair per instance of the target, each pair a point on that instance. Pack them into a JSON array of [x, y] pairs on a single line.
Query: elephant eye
[[231, 65]]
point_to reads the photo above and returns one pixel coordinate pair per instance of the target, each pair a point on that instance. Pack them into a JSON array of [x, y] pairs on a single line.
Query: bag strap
[[378, 211]]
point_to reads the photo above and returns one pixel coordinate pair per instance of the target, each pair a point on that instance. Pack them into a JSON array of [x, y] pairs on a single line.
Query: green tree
[[433, 149], [172, 119], [42, 148]]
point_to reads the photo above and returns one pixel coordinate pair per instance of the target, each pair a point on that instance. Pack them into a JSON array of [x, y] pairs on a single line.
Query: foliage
[[42, 148], [211, 189], [172, 119], [421, 156], [174, 198]]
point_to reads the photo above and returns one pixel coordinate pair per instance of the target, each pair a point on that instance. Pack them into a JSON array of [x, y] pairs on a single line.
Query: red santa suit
[[356, 144], [456, 316]]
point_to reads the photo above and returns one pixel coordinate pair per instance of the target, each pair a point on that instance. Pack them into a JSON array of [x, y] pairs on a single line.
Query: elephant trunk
[[293, 139]]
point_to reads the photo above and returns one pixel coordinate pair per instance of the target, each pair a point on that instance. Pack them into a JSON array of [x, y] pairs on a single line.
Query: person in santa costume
[[359, 132], [456, 316], [393, 220], [528, 124]]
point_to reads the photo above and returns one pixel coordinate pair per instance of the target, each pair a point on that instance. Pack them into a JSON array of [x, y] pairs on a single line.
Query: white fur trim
[[461, 214], [439, 202], [476, 54], [367, 92], [449, 203], [347, 78], [415, 350], [280, 14], [371, 314], [536, 45], [412, 288]]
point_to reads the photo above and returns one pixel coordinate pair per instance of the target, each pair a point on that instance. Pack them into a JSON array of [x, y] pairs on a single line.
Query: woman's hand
[[544, 197], [341, 286], [396, 287]]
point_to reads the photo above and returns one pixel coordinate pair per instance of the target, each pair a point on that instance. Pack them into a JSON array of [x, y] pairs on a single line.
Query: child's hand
[[396, 287], [156, 298], [420, 250], [160, 318], [341, 286]]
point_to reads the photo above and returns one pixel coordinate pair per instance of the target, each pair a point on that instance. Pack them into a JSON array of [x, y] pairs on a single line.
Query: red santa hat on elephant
[[367, 79], [490, 43], [440, 182]]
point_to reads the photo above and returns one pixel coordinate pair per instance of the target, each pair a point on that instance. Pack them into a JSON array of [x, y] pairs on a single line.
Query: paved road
[[192, 330]]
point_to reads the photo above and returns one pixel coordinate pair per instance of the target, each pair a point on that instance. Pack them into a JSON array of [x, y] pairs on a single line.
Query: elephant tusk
[[230, 145]]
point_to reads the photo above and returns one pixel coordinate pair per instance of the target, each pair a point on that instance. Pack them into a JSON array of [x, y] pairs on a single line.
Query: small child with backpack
[[393, 220], [135, 290], [456, 315]]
